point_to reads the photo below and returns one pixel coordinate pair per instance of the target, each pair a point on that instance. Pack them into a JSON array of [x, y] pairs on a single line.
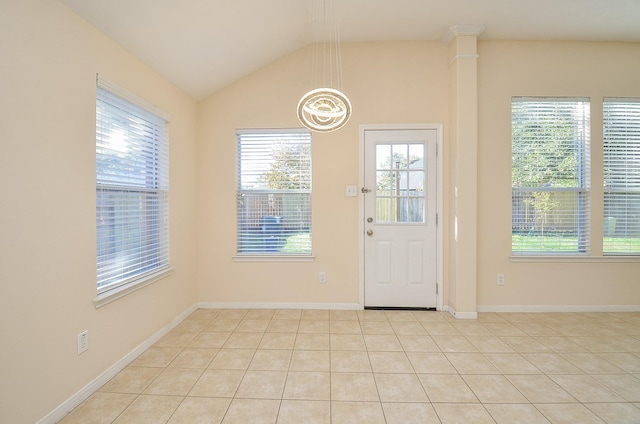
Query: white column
[[463, 133]]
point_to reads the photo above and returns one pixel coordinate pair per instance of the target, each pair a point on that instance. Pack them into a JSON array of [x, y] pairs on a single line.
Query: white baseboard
[[458, 314], [558, 308], [68, 405], [278, 305]]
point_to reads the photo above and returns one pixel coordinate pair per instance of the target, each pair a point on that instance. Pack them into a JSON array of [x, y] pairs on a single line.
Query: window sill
[[122, 291], [273, 258], [574, 259]]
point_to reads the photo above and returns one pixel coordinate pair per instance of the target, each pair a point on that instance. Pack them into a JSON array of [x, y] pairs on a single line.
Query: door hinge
[[436, 288], [436, 219]]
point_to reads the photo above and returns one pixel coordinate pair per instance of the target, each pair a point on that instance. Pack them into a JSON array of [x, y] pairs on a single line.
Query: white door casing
[[399, 213]]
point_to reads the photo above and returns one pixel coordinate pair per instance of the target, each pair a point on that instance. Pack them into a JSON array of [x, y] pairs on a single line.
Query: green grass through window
[[558, 244], [297, 243]]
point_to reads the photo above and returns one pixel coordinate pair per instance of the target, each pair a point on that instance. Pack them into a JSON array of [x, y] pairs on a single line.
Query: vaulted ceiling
[[204, 45]]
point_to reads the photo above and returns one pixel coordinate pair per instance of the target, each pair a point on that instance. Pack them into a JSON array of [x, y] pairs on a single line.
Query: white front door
[[400, 241]]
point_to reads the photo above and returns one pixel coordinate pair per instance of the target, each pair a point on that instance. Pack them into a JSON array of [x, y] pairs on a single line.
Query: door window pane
[[400, 180]]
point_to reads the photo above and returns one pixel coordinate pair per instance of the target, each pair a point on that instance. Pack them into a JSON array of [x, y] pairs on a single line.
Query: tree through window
[[550, 175], [274, 192]]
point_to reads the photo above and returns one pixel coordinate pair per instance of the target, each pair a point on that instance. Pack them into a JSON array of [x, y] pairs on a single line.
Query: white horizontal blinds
[[132, 186], [550, 175], [621, 176], [274, 192]]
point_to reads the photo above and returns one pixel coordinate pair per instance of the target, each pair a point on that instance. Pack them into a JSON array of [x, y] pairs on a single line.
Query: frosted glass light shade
[[324, 109]]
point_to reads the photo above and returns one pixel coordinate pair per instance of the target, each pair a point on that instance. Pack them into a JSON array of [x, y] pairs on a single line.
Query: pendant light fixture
[[325, 108]]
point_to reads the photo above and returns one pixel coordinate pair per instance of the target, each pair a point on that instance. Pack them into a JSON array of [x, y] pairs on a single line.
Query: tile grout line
[[574, 321], [201, 373]]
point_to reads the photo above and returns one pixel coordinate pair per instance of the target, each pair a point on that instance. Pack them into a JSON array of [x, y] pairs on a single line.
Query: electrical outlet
[[83, 341], [501, 279], [322, 277]]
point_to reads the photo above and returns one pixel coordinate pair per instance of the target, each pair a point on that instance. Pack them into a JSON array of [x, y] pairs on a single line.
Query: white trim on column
[[460, 315], [463, 56], [457, 30]]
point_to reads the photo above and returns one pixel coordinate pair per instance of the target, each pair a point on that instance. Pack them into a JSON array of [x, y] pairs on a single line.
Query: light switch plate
[[352, 191]]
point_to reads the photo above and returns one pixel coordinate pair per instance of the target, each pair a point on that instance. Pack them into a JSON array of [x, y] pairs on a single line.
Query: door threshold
[[397, 308]]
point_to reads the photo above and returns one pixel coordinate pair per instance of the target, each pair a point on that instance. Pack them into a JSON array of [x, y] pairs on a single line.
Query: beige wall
[[387, 83], [506, 69], [49, 60], [408, 82]]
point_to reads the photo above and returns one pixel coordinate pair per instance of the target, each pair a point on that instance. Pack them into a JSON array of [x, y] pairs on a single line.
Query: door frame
[[439, 206]]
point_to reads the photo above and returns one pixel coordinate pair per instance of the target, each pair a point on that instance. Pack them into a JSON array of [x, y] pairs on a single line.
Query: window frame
[[623, 185], [582, 177], [121, 179], [249, 250]]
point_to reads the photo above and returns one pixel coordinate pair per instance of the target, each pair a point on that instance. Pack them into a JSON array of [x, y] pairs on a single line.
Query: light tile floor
[[320, 366]]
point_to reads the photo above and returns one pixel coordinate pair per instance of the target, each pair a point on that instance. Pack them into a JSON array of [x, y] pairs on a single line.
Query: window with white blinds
[[132, 187], [550, 175], [621, 119], [274, 192]]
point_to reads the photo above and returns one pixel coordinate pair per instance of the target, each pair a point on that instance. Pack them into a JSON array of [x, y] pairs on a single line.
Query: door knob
[[369, 232]]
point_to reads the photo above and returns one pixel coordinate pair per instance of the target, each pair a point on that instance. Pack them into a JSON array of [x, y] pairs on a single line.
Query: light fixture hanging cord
[[324, 42], [336, 27], [325, 108]]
